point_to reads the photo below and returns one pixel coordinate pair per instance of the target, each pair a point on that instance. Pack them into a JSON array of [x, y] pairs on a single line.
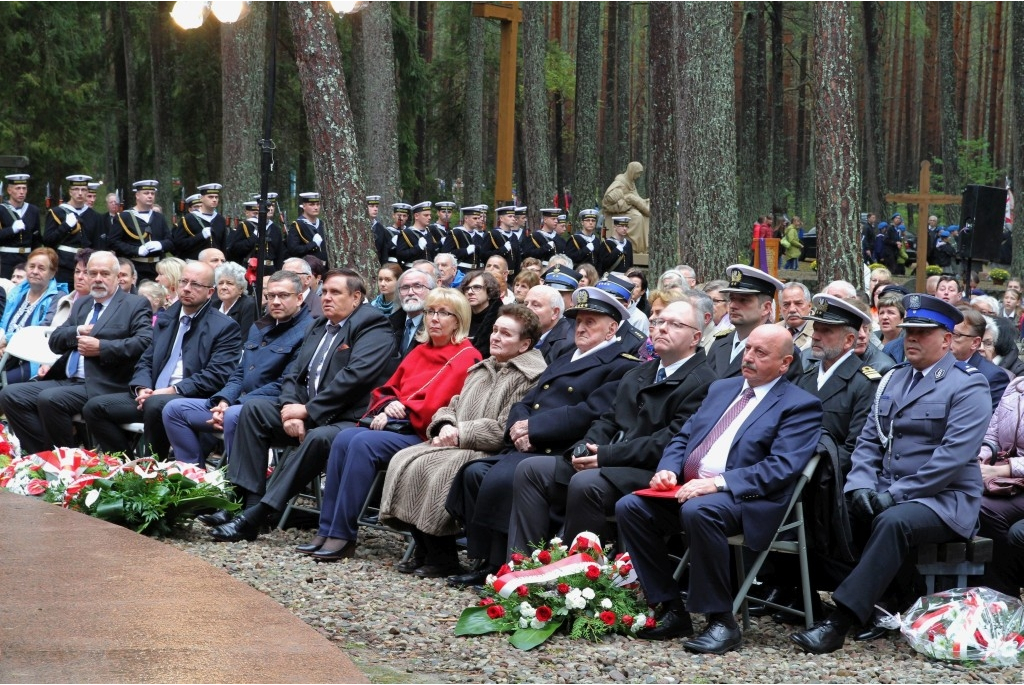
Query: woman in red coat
[[400, 411]]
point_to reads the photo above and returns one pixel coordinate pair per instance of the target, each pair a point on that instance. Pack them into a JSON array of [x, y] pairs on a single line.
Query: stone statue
[[622, 199]]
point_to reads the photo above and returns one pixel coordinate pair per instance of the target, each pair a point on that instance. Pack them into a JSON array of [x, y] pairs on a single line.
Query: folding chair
[[31, 344], [369, 516], [792, 521]]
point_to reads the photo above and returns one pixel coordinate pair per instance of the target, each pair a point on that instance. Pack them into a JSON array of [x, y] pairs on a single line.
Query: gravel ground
[[398, 628]]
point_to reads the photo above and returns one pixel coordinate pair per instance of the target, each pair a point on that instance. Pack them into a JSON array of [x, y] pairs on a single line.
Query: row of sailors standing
[[142, 234], [412, 236]]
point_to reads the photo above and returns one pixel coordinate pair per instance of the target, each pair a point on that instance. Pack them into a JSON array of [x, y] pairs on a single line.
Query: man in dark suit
[[733, 465], [573, 392], [966, 347], [99, 343], [915, 476], [556, 330], [195, 349], [406, 321], [347, 353], [619, 452]]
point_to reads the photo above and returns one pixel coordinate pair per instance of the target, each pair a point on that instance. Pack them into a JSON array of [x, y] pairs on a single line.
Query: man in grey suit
[[99, 344], [348, 352], [915, 476]]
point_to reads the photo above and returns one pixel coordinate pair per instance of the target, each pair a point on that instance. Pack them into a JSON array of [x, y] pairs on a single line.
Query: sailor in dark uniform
[[441, 228], [377, 228], [306, 235], [387, 249], [502, 241], [545, 242], [417, 242], [580, 248], [19, 225], [198, 230], [71, 226], [616, 252], [141, 233], [90, 195], [460, 243], [244, 240], [521, 230]]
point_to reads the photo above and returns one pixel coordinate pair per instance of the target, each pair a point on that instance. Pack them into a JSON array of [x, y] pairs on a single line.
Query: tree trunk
[[612, 53], [536, 147], [332, 136], [663, 168], [706, 136], [243, 53], [778, 172], [424, 185], [378, 103], [949, 112], [623, 67], [996, 79], [754, 195], [837, 180], [160, 82], [803, 139], [930, 126], [473, 114], [131, 102], [585, 191], [1017, 79], [874, 167]]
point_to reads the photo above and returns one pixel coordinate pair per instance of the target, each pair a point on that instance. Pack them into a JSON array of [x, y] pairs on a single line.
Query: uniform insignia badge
[[870, 373], [915, 302], [939, 373], [581, 299], [722, 334], [737, 276]]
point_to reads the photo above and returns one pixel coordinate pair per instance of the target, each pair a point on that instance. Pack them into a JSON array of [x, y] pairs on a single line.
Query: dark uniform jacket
[[131, 232], [494, 242], [17, 245], [648, 415], [67, 241], [242, 243], [608, 256], [578, 249], [721, 349], [542, 246], [459, 242], [300, 239], [560, 338], [188, 235], [413, 245]]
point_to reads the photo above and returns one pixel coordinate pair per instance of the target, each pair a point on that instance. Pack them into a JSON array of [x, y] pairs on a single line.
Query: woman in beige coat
[[472, 426]]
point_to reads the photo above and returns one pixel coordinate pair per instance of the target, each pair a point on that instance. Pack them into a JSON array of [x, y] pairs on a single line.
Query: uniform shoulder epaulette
[[630, 357], [870, 373], [722, 334], [965, 367]]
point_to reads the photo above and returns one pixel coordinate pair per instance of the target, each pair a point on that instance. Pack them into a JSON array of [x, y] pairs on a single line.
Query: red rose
[[608, 617], [517, 558], [625, 569], [522, 590], [627, 620], [650, 622], [5, 448], [563, 588], [486, 602], [503, 570], [544, 557], [593, 572], [495, 611], [544, 613], [36, 486]]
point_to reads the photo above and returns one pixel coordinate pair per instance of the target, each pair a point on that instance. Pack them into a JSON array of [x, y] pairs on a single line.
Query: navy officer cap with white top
[[421, 207], [587, 214], [210, 188], [17, 179], [400, 208], [373, 199], [79, 180], [832, 310], [925, 311], [746, 280], [507, 210], [596, 301], [450, 206], [270, 196], [193, 199], [550, 211], [147, 184], [311, 198]]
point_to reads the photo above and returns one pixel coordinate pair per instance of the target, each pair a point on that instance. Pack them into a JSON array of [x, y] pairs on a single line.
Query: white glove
[[71, 219], [318, 240], [18, 226], [508, 246], [206, 232], [422, 242], [144, 250], [471, 249], [590, 246], [154, 246]]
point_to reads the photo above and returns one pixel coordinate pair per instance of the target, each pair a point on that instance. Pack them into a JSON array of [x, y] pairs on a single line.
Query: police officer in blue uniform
[[915, 475]]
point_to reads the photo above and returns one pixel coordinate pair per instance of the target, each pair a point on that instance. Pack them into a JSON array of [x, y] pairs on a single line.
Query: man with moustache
[[412, 286]]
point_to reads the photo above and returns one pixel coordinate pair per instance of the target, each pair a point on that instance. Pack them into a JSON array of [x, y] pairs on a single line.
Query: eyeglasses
[[440, 313], [964, 335], [418, 287], [674, 325], [719, 301], [988, 343], [192, 284], [475, 288], [279, 296]]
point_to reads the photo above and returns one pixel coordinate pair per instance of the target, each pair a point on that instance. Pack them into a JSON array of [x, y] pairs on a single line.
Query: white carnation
[[606, 603], [588, 593]]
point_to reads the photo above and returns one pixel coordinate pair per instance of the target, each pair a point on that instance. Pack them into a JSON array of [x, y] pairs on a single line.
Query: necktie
[[661, 375], [316, 366], [914, 380], [164, 379], [74, 357], [692, 465], [410, 330], [737, 347]]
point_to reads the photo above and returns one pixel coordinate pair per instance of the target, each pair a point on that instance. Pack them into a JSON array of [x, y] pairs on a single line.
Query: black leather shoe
[[823, 637], [870, 632], [437, 570], [235, 530], [217, 518], [672, 624], [471, 578], [346, 552], [717, 638], [776, 595], [410, 565], [308, 549]]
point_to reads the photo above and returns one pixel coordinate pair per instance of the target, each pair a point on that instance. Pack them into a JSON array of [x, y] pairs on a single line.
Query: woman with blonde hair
[[168, 273]]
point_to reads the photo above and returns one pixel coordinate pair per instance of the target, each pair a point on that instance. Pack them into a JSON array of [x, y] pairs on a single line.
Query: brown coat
[[419, 477]]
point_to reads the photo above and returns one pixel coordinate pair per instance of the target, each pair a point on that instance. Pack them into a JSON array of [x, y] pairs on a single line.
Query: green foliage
[[975, 164], [474, 621], [560, 71], [934, 270], [999, 274]]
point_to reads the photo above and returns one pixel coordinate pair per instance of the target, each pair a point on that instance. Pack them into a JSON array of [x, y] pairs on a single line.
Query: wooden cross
[[510, 16], [923, 199]]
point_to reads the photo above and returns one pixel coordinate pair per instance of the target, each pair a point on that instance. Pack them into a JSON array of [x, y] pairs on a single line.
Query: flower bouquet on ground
[[57, 475], [534, 595], [966, 624]]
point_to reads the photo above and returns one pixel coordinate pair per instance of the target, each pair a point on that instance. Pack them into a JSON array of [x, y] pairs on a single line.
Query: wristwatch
[[720, 482]]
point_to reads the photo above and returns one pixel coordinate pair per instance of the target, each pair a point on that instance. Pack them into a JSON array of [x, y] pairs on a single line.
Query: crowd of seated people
[[509, 423]]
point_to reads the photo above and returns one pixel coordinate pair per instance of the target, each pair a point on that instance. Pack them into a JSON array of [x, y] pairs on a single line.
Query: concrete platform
[[87, 601]]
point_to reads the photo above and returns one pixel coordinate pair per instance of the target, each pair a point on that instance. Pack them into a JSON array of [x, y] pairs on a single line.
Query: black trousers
[[40, 412], [259, 429], [105, 413]]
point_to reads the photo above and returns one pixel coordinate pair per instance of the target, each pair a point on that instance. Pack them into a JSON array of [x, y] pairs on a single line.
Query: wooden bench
[[953, 559]]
